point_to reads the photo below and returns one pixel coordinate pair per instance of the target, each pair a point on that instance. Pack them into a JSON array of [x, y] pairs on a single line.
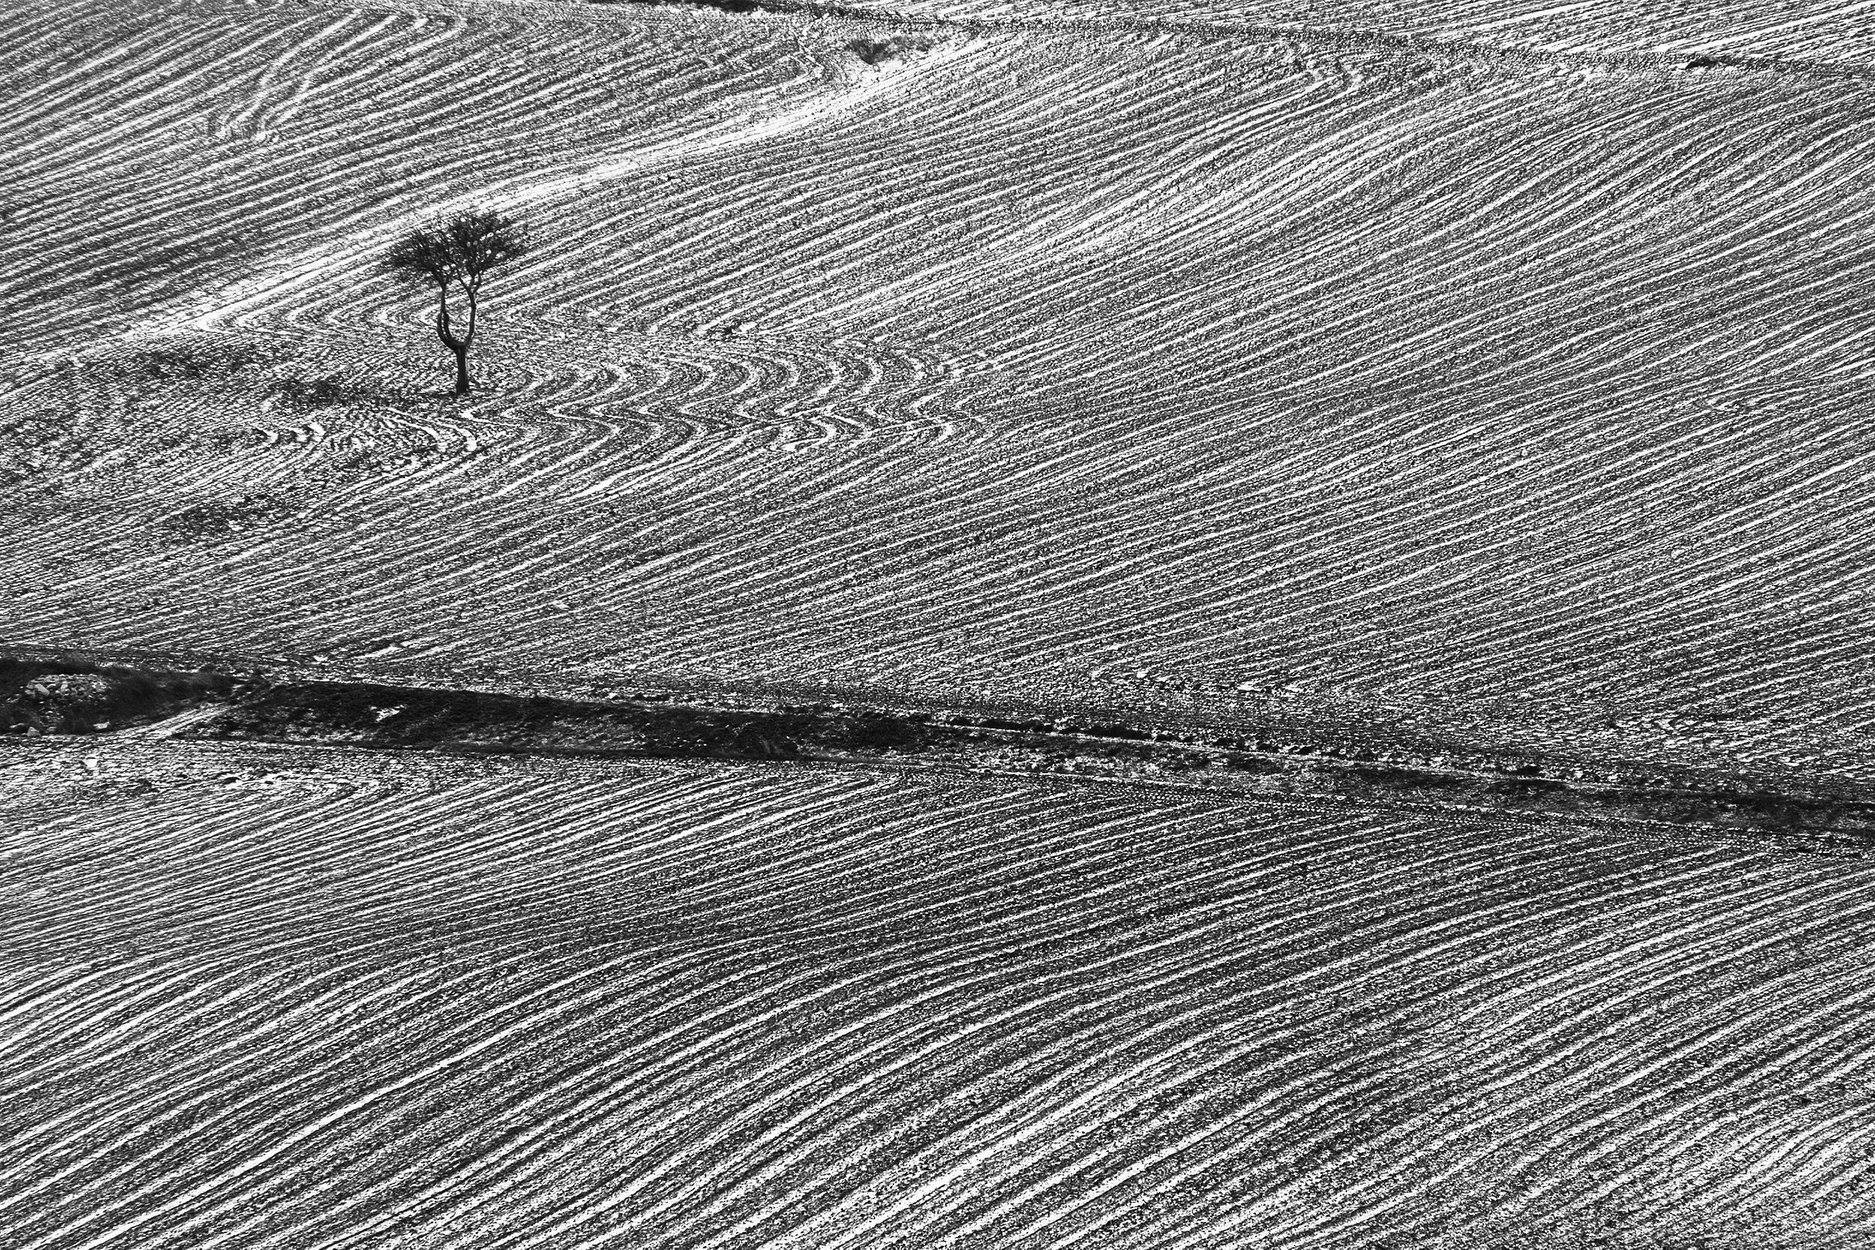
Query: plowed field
[[279, 998], [1488, 376]]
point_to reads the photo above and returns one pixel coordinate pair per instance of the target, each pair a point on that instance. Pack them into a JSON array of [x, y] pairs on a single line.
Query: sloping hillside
[[1825, 32], [279, 998], [1491, 381], [1521, 397]]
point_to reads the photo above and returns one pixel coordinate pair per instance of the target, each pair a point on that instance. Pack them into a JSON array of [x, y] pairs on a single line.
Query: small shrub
[[878, 51], [212, 518], [318, 393], [187, 362]]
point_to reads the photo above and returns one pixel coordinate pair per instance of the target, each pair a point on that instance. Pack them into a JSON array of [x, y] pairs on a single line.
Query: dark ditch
[[47, 695]]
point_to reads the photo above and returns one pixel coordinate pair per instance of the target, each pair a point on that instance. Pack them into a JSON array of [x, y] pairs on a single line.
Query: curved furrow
[[1092, 1011], [1829, 33], [1548, 1054], [1524, 974], [1180, 1025], [797, 1031], [1190, 1042], [269, 952], [266, 202], [253, 303], [1795, 1178]]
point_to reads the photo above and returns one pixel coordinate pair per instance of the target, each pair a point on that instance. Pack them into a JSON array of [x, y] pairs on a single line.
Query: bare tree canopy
[[456, 253]]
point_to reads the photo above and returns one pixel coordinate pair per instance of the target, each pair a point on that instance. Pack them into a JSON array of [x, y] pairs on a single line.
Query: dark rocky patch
[[367, 714], [318, 392], [879, 51], [216, 518], [182, 362], [77, 697]]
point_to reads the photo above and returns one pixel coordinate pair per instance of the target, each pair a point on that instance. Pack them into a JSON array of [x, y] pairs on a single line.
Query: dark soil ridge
[[1353, 39], [42, 695]]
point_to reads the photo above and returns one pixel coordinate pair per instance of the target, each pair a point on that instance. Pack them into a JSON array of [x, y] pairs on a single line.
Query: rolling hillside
[[1520, 398], [272, 998], [1489, 379], [1828, 32]]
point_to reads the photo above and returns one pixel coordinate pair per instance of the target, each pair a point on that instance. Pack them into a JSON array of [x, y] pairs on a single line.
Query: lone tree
[[457, 252]]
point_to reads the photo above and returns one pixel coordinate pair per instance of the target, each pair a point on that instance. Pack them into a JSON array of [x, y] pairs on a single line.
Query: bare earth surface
[[1524, 398], [1494, 373], [278, 998]]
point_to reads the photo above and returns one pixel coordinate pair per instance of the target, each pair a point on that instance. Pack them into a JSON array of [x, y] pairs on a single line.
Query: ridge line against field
[[83, 698], [1360, 39]]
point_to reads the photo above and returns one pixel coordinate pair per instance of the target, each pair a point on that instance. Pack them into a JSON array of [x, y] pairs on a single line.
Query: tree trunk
[[459, 344]]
